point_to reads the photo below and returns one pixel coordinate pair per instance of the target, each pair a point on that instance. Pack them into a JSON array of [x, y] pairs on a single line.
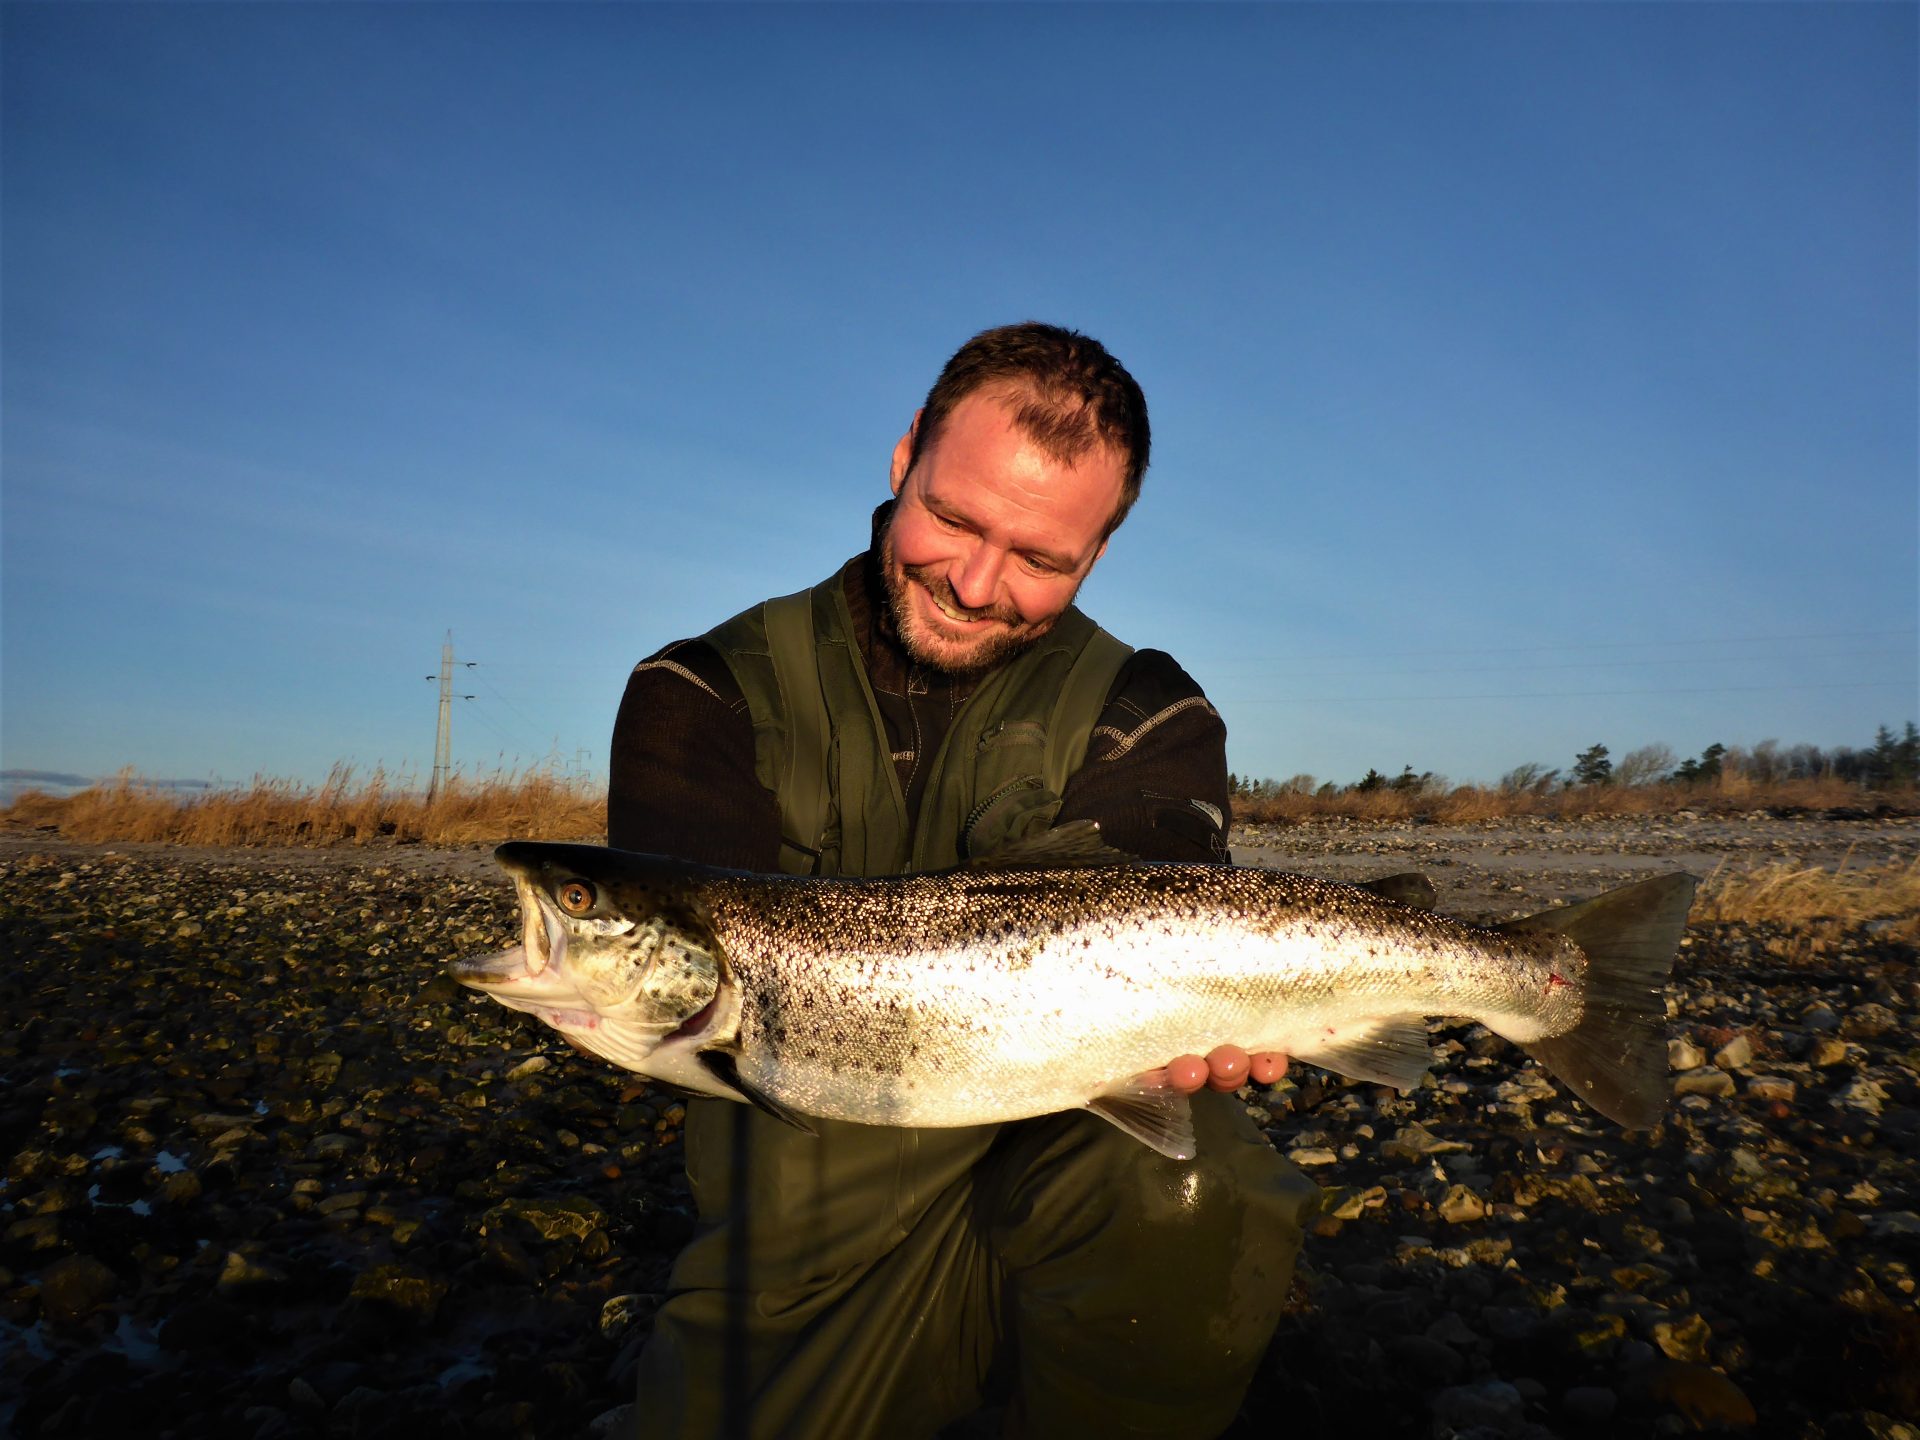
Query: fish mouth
[[540, 953], [542, 933]]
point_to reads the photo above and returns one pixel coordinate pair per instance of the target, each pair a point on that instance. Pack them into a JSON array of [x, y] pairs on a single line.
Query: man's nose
[[976, 578]]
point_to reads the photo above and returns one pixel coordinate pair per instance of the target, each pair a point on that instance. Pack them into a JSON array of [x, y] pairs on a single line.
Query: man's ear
[[903, 454]]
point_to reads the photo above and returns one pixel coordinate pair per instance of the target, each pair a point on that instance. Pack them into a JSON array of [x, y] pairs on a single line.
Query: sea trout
[[1057, 977]]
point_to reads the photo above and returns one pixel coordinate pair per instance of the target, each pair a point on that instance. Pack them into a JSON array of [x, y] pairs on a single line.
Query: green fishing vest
[[820, 744]]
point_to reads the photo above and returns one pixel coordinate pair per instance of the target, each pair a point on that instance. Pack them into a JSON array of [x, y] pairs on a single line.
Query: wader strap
[[1082, 697], [803, 788]]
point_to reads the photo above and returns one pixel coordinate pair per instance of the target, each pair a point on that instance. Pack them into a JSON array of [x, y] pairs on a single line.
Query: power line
[[531, 727], [1577, 646], [1695, 660], [1906, 685]]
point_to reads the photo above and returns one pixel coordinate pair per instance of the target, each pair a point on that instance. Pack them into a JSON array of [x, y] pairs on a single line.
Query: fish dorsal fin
[[721, 1065], [1077, 842], [1411, 889], [1387, 1052], [1152, 1112]]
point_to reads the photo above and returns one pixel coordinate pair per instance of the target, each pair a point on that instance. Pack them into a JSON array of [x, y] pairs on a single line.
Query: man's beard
[[936, 651]]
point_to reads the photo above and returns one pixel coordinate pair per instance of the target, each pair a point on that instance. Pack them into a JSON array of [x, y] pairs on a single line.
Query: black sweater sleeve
[[681, 780], [1155, 776]]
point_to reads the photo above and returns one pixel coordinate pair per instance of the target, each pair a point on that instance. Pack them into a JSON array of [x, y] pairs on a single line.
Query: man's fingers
[[1187, 1074], [1227, 1067]]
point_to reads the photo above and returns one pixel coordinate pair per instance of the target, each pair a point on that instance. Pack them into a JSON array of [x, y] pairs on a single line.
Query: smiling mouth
[[956, 615]]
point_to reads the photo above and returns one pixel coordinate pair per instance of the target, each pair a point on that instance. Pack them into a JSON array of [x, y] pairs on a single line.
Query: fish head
[[614, 950]]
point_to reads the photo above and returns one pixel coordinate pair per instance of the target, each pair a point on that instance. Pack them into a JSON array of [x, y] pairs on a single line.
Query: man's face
[[991, 536]]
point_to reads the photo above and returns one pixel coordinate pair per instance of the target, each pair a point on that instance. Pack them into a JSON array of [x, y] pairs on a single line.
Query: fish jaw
[[547, 995], [511, 975]]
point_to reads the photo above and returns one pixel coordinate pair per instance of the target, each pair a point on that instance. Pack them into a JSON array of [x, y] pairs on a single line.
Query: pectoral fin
[[1152, 1111], [722, 1066], [1077, 842]]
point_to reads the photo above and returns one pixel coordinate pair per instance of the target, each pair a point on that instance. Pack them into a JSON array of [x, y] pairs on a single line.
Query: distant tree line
[[1893, 763]]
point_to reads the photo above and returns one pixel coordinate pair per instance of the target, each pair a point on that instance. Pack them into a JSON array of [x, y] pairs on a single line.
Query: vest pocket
[[1021, 807], [1013, 732]]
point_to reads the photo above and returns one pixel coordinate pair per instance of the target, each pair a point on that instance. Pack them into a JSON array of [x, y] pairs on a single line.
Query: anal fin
[[1152, 1112], [722, 1066], [1386, 1052]]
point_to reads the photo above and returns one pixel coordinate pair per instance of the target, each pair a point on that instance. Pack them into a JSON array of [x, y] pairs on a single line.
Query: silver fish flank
[[1057, 978]]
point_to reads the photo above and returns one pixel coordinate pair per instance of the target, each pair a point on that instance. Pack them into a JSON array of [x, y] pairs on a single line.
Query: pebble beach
[[269, 1173]]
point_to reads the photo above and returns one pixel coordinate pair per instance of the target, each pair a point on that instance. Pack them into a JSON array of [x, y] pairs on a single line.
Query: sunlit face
[[991, 536]]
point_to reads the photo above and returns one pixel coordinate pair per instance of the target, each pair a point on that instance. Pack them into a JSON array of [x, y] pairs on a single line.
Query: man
[[937, 700]]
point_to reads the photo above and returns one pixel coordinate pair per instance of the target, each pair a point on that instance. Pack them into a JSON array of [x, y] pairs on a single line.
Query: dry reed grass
[[532, 805], [1464, 804], [1815, 902]]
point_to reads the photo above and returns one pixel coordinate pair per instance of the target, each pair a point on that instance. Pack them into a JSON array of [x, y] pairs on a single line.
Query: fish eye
[[576, 897]]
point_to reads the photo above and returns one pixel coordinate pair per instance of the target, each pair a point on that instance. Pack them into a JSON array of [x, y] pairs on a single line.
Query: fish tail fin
[[1615, 1059]]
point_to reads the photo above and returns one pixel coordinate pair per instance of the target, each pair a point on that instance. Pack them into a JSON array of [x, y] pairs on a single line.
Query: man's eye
[[1041, 567]]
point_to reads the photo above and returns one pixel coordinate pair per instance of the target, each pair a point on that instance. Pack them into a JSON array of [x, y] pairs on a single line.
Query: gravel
[[268, 1173]]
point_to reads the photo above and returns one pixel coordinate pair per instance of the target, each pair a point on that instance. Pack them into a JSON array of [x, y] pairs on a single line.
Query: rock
[[1869, 1022], [1683, 1339], [242, 1272], [1894, 1225], [1772, 1088], [1434, 1362], [1710, 1082], [1862, 1094], [1819, 1017], [401, 1290], [1576, 1190], [1743, 1166], [1494, 1403], [1416, 1142], [1589, 1404], [1312, 1156], [1736, 1054], [574, 1217], [532, 1066], [1596, 1334], [1460, 1205], [617, 1421], [72, 1288], [1450, 1329], [209, 1326], [1511, 1323], [1707, 1399], [1683, 1054], [1342, 1202], [183, 1187], [1825, 1052]]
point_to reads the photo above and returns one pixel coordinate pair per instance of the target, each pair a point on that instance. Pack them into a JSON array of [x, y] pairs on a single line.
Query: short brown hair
[[1072, 395]]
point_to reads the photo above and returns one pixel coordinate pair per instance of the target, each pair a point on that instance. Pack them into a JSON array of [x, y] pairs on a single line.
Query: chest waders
[[860, 1285]]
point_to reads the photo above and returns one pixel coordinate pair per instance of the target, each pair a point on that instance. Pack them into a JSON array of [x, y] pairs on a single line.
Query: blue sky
[[1521, 377]]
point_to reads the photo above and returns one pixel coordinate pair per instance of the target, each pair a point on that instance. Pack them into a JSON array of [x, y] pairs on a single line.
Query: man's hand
[[1227, 1067]]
